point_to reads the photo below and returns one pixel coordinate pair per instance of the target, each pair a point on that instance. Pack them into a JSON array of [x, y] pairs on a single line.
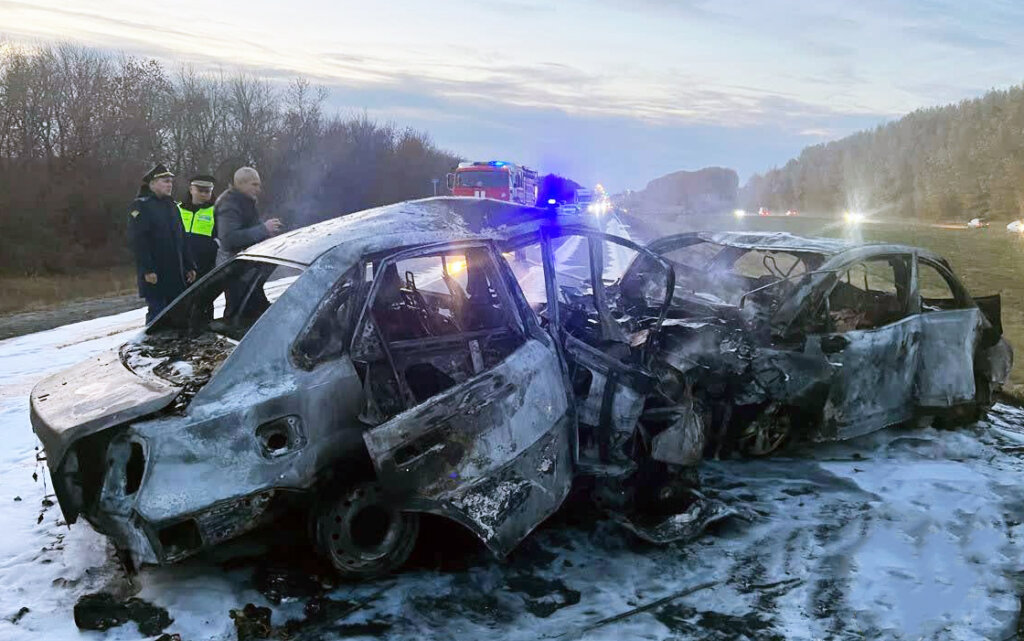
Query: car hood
[[92, 396]]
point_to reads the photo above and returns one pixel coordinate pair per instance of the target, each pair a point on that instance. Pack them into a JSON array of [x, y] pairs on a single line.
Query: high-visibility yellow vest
[[199, 222]]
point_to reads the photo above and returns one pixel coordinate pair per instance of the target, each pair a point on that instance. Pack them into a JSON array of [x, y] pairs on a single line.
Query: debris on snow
[[102, 611], [14, 618]]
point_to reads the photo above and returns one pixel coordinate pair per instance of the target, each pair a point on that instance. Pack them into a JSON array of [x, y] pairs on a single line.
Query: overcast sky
[[616, 92]]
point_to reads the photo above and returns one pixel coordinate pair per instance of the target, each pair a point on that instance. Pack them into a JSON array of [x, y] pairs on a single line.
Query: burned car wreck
[[473, 359], [780, 336]]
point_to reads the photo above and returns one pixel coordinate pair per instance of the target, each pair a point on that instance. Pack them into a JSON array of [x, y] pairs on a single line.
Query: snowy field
[[904, 534]]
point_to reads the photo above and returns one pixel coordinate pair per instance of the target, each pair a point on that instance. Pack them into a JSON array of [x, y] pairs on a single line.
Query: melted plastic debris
[[252, 622], [101, 611], [187, 362]]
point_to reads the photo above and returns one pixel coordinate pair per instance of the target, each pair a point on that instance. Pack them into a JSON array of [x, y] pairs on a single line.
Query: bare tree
[[78, 128]]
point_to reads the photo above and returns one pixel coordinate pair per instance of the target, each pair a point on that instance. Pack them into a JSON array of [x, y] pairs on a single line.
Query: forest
[[79, 128], [950, 163]]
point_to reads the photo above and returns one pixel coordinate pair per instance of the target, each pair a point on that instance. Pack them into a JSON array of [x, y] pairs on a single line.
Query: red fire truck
[[495, 179]]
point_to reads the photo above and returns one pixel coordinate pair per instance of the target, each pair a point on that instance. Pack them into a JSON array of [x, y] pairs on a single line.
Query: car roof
[[413, 222], [780, 241], [785, 241]]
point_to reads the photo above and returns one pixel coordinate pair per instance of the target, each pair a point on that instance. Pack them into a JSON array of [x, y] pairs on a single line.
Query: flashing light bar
[[489, 163]]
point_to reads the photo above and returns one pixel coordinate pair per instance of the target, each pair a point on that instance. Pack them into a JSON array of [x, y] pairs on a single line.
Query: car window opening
[[869, 295], [231, 300], [936, 291], [435, 321]]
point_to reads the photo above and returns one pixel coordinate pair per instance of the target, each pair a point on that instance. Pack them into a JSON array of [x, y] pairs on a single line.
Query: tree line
[[78, 129], [948, 163]]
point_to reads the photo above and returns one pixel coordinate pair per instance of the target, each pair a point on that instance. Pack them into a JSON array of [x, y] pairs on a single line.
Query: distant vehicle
[[1016, 226], [569, 209], [495, 179], [791, 212], [764, 212], [853, 218], [977, 223]]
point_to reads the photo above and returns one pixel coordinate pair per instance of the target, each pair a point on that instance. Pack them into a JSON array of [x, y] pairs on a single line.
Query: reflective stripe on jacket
[[199, 222]]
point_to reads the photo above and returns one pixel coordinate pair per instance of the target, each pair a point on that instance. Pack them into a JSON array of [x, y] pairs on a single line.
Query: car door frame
[[621, 385], [857, 403], [949, 340], [493, 453]]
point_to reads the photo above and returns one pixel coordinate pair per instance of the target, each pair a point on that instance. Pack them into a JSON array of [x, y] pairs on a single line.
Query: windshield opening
[[229, 301], [726, 274], [482, 179]]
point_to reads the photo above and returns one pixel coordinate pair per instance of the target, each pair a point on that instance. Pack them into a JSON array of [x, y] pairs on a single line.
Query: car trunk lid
[[92, 396]]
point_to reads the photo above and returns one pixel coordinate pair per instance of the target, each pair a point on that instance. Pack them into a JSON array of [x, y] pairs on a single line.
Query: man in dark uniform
[[164, 264], [238, 227], [198, 220]]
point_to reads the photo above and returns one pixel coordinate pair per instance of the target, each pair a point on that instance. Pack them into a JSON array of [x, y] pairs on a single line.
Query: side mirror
[[450, 182]]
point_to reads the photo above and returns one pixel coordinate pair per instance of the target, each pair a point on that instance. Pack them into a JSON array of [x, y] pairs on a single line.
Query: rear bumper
[[175, 539]]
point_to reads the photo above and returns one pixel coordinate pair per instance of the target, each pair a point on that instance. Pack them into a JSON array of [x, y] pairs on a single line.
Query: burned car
[[475, 359], [381, 365], [782, 336]]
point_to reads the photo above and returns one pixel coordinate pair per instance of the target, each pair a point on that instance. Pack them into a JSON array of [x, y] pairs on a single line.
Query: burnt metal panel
[[873, 380], [91, 396], [946, 371], [492, 453], [404, 224], [778, 241]]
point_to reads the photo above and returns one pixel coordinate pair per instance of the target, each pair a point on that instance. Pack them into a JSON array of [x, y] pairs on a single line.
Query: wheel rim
[[766, 433], [361, 533]]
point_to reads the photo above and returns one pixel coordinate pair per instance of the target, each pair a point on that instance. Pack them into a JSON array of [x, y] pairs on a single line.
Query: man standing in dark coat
[[238, 227], [164, 264]]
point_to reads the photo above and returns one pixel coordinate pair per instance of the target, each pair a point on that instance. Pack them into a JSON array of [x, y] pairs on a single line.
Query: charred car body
[[471, 359], [823, 338]]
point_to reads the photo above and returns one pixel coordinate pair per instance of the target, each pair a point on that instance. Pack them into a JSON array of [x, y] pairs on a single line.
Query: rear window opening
[[229, 302], [187, 344]]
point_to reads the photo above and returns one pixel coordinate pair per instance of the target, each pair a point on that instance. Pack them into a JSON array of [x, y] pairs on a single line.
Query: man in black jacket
[[238, 227], [163, 262]]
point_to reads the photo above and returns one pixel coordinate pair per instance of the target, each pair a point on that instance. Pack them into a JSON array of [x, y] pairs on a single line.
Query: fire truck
[[495, 179]]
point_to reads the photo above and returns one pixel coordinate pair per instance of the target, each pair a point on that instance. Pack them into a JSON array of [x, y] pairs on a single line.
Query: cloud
[[688, 79], [958, 37]]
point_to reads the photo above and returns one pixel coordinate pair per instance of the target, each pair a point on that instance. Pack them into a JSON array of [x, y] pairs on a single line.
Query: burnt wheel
[[766, 433], [361, 535]]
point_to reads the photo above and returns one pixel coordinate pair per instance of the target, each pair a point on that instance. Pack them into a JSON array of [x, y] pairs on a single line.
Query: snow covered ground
[[904, 534]]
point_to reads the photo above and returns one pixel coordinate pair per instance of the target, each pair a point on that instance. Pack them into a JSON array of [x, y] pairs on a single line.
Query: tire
[[361, 535]]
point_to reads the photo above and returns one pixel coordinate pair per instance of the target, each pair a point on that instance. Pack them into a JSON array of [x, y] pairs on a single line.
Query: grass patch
[[33, 293]]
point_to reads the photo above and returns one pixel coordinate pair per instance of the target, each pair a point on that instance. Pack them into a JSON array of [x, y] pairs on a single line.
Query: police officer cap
[[160, 171], [202, 180]]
